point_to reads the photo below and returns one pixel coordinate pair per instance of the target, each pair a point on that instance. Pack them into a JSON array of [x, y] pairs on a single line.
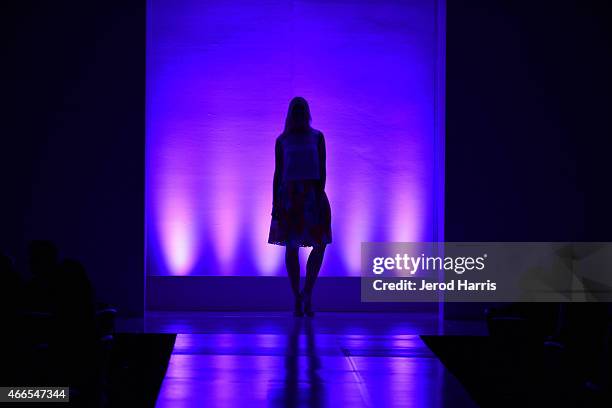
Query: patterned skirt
[[303, 216]]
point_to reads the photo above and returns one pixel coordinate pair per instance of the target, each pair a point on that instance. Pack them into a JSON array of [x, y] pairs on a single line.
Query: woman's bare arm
[[322, 158], [278, 175]]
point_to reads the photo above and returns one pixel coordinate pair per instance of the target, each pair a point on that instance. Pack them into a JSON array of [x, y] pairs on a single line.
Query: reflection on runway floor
[[335, 359]]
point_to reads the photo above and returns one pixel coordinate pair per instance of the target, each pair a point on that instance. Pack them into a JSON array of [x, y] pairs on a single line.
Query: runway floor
[[231, 359]]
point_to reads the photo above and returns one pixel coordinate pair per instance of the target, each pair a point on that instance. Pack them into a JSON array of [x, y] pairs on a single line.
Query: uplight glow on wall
[[220, 75]]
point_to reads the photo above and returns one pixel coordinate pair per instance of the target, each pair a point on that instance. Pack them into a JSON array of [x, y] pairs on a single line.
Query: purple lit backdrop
[[220, 75]]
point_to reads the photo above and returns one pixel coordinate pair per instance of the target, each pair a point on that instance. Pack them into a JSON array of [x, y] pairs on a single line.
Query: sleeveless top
[[301, 156]]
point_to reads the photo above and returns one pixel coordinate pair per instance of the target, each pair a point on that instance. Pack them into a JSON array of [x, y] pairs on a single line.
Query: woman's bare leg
[[313, 266], [292, 263]]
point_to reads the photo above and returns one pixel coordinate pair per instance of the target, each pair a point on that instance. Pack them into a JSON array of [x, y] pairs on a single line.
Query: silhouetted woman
[[301, 216]]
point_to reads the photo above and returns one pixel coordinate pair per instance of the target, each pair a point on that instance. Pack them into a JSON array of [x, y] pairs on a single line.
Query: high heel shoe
[[297, 308], [307, 299]]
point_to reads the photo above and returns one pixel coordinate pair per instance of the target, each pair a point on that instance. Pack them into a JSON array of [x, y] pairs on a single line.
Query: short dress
[[302, 215]]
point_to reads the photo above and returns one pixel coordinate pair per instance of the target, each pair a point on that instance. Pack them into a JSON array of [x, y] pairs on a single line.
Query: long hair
[[298, 115]]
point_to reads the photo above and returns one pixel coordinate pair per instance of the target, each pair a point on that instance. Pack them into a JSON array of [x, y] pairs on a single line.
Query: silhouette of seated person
[[73, 343], [43, 264]]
